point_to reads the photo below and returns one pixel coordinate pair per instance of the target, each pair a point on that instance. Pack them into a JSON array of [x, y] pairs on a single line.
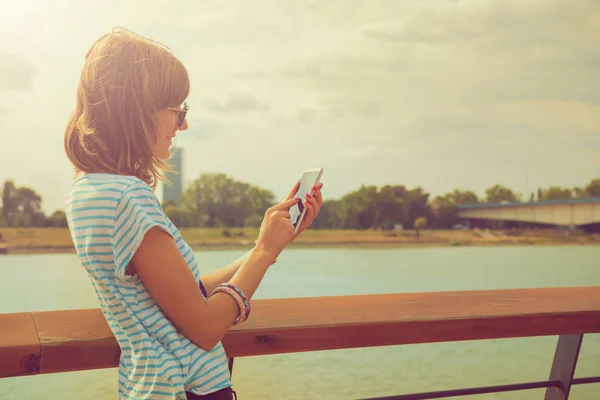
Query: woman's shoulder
[[99, 188], [106, 179]]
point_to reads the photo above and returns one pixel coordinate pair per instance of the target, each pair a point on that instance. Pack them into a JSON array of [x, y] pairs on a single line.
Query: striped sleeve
[[138, 210]]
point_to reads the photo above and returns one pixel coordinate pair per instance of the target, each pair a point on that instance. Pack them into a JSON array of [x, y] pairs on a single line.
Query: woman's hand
[[276, 230], [313, 203]]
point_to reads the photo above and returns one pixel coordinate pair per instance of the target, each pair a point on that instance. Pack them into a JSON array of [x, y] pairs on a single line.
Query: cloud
[[400, 33], [361, 153], [308, 114], [437, 94], [552, 115], [254, 75], [202, 129], [236, 103], [16, 73], [503, 60]]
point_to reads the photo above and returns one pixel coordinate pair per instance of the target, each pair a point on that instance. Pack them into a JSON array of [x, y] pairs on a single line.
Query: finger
[[285, 205], [319, 196], [312, 209], [309, 216], [294, 191], [283, 214], [315, 204]]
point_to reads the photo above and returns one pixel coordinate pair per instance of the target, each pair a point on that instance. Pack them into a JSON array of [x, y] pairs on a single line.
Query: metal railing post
[[230, 362], [563, 366]]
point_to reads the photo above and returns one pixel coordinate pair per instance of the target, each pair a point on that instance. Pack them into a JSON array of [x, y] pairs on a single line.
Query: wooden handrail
[[71, 340]]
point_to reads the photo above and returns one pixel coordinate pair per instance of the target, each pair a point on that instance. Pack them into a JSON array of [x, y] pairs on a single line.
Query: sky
[[439, 94]]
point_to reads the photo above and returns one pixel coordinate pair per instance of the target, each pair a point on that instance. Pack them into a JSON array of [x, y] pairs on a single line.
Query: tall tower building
[[174, 188]]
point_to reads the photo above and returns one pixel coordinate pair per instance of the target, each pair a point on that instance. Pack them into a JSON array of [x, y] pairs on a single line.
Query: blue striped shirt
[[108, 216]]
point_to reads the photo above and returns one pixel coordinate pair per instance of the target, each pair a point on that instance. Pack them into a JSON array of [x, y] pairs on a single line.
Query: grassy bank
[[57, 240]]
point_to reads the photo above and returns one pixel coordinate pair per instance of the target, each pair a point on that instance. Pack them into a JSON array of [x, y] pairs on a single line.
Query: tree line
[[217, 200]]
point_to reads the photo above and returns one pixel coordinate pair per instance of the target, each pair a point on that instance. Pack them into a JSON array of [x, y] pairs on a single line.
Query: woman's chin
[[164, 155]]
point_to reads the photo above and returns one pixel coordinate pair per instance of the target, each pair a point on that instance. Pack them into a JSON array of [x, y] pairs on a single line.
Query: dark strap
[[203, 289], [223, 394]]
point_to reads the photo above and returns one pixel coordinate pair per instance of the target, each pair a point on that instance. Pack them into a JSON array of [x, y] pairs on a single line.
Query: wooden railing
[[58, 341]]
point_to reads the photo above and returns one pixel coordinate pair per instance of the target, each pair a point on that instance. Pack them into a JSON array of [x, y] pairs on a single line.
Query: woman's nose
[[184, 126]]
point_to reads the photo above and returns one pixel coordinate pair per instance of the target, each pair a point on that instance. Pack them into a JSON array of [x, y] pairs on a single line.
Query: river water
[[54, 282]]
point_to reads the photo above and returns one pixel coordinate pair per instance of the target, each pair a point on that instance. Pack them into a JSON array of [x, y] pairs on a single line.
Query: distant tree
[[10, 205], [420, 223], [579, 193], [329, 215], [254, 221], [29, 201], [180, 217], [499, 193], [416, 202], [21, 206], [29, 207], [359, 209], [168, 203], [393, 206], [260, 199], [370, 207], [58, 219], [556, 193], [593, 188], [461, 197], [218, 200], [444, 210], [445, 206]]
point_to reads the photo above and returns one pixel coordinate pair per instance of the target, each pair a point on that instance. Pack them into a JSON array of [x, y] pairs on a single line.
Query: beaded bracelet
[[240, 298], [243, 296]]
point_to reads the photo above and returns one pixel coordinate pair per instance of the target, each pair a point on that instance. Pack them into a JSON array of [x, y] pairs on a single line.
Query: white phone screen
[[309, 179]]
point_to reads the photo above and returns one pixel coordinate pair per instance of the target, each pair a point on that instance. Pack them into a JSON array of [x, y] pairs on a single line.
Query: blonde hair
[[126, 80]]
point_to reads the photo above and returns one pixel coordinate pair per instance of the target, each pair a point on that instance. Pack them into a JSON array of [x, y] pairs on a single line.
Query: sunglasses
[[182, 113]]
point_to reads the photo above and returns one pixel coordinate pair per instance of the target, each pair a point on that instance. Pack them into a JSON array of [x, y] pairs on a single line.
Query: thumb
[[285, 205], [294, 191]]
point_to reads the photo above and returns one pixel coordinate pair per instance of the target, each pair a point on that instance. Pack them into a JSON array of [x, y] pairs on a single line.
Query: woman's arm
[[165, 273], [169, 280], [223, 274]]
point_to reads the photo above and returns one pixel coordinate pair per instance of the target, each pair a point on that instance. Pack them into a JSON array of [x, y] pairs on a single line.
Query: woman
[[168, 320]]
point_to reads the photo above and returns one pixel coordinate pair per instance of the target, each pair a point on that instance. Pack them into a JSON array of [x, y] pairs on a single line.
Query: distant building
[[173, 189]]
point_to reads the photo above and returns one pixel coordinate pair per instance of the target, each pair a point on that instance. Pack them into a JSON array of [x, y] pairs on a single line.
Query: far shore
[[58, 240]]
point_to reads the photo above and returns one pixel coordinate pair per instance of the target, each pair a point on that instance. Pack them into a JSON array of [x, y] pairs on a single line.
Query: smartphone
[[310, 178]]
